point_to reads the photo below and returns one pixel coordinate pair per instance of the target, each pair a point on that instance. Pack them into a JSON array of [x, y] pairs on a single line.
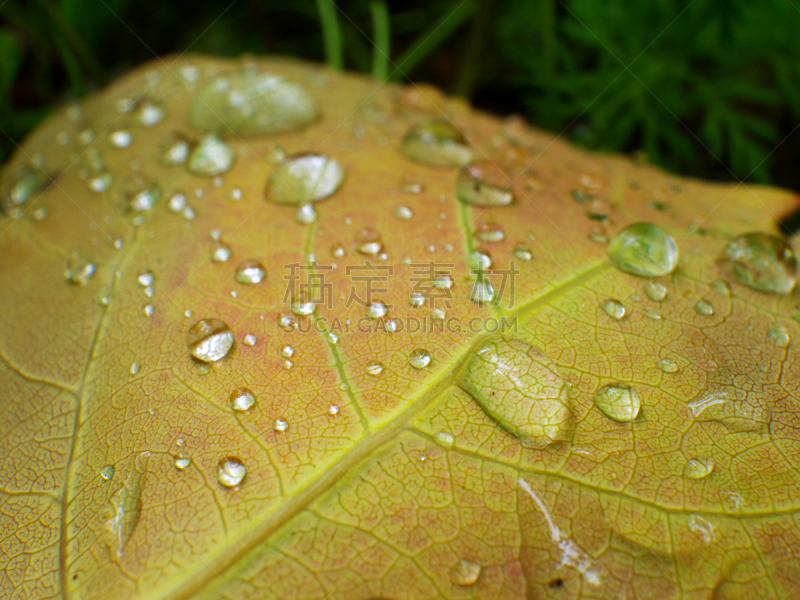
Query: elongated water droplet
[[483, 183], [252, 102], [242, 399], [231, 471], [703, 308], [523, 251], [518, 386], [482, 291], [403, 213], [613, 308], [436, 143], [80, 268], [490, 232], [135, 367], [737, 409], [465, 573], [107, 472], [280, 425], [618, 401], [209, 340], [304, 179], [721, 287], [419, 358], [173, 150], [444, 439], [697, 469], [19, 185], [181, 460], [250, 271], [210, 156], [655, 291], [125, 506], [374, 368], [762, 261], [643, 249], [668, 366]]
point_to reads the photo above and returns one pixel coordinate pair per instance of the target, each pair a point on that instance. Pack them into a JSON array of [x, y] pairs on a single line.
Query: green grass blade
[[331, 34], [382, 36]]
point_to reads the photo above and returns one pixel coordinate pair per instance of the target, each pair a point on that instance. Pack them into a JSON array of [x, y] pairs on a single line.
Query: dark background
[[709, 88]]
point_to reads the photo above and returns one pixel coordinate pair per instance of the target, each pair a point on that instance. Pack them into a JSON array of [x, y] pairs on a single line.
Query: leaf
[[345, 480]]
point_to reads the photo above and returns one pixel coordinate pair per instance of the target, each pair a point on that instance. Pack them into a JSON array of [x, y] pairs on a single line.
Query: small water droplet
[[643, 249], [250, 271], [374, 368], [181, 460], [333, 410], [337, 250], [121, 138], [287, 351], [480, 259], [80, 268], [210, 156], [436, 143], [221, 252], [523, 251], [148, 310], [231, 471], [249, 340], [280, 425], [140, 193], [490, 232], [304, 179], [287, 364], [148, 113], [416, 299], [613, 308], [465, 573], [618, 401], [483, 183], [655, 291], [419, 358], [306, 214], [146, 279], [778, 336], [368, 241], [20, 185], [209, 340], [107, 472], [652, 314], [703, 308], [301, 305], [721, 287], [444, 439], [134, 368], [482, 291], [762, 261], [702, 527], [242, 399], [403, 213], [668, 366], [173, 150], [125, 506], [697, 469], [438, 314], [332, 338]]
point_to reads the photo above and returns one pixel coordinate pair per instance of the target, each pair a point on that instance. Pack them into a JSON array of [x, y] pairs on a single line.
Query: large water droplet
[[655, 291], [697, 469], [419, 358], [20, 185], [250, 271], [618, 401], [209, 340], [436, 143], [643, 249], [613, 308], [303, 179], [762, 261], [483, 183], [242, 399], [211, 156], [465, 572], [231, 471], [80, 268], [490, 232], [251, 102], [519, 387]]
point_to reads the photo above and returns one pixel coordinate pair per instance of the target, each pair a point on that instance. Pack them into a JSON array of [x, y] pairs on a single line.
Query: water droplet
[[302, 306], [125, 506], [655, 291], [148, 113], [762, 261], [444, 439], [613, 308], [303, 179], [480, 259], [337, 250], [231, 471], [419, 358], [482, 291], [332, 338], [210, 156], [148, 310], [287, 364], [483, 183], [523, 251], [306, 214], [737, 409], [436, 143], [173, 150], [250, 271], [778, 336], [721, 287], [668, 366], [249, 340], [697, 469], [20, 185], [209, 340], [134, 368], [490, 232], [287, 351], [121, 139], [280, 425], [374, 368], [107, 472], [465, 573], [438, 314], [242, 399], [140, 193], [643, 249], [403, 213], [416, 299], [221, 252], [146, 279], [518, 386], [181, 460], [618, 401], [702, 527], [80, 268], [703, 308], [251, 102], [368, 241], [649, 312]]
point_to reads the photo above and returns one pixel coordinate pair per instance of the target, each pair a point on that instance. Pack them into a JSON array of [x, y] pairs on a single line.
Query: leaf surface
[[410, 477]]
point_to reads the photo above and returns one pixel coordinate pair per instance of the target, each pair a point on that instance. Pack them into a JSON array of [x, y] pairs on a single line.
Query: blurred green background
[[709, 88]]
